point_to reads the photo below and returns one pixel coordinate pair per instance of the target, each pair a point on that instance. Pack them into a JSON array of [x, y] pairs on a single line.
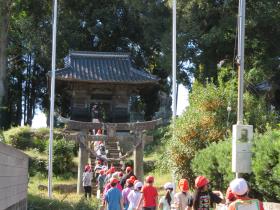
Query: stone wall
[[13, 178]]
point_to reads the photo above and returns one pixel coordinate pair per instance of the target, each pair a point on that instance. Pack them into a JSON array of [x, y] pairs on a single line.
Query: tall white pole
[[174, 82], [241, 42], [52, 98]]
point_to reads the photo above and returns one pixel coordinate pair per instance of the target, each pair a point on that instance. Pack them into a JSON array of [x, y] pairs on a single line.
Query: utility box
[[242, 140]]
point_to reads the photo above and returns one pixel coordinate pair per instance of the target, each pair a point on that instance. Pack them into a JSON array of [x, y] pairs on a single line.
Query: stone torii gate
[[77, 130]]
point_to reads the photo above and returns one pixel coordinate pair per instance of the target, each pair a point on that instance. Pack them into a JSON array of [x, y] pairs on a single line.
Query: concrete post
[[83, 160], [138, 158]]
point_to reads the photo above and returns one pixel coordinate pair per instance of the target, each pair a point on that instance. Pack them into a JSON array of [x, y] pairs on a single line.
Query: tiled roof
[[102, 67]]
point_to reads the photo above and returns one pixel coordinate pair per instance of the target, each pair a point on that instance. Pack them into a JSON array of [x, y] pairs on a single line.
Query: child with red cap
[[182, 199], [87, 178], [203, 198], [239, 188], [101, 181], [149, 195], [113, 198], [126, 191], [128, 173]]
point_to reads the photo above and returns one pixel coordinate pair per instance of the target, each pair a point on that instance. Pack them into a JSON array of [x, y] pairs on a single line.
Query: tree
[[207, 120], [5, 6]]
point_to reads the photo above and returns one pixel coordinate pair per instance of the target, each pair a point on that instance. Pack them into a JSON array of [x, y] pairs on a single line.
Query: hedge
[[215, 163]]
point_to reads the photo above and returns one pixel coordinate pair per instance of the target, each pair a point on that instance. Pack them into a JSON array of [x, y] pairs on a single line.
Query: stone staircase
[[112, 151]]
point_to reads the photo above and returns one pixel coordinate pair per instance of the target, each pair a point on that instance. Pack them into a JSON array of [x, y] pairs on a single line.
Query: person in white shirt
[[87, 180], [134, 195]]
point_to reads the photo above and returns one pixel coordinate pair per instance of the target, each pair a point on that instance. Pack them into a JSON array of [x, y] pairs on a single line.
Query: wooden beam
[[87, 126]]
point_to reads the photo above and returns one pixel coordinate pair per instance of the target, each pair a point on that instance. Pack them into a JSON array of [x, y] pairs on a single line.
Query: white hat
[[138, 185], [239, 186], [168, 185], [116, 175]]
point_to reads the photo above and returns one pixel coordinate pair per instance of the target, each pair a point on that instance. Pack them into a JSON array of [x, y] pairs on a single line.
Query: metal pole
[[240, 61], [174, 82], [52, 98], [241, 41]]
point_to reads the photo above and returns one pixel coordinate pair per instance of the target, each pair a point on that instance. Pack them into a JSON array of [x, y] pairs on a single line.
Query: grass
[[38, 199]]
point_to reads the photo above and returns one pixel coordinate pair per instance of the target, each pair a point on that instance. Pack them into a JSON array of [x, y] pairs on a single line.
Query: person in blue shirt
[[113, 197]]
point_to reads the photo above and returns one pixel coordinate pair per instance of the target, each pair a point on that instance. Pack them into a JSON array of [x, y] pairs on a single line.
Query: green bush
[[215, 163], [19, 137], [266, 165], [63, 156], [37, 165], [207, 121]]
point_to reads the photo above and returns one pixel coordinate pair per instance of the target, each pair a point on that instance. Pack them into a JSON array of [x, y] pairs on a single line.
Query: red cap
[[120, 174], [114, 180], [201, 181], [133, 178], [230, 195], [99, 162], [87, 167], [128, 169], [183, 185], [112, 169], [99, 132], [150, 179], [129, 181], [102, 172]]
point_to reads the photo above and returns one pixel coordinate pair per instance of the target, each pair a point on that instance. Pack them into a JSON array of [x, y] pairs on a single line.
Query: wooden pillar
[[83, 160], [138, 158]]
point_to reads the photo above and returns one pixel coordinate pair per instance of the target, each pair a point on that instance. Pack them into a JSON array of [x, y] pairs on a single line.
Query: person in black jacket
[[128, 173]]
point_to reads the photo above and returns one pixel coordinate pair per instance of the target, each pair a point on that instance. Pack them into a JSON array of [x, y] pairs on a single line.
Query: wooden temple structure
[[100, 88]]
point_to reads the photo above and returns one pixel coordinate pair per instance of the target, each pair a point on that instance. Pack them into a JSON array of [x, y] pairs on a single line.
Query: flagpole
[[174, 82], [52, 98]]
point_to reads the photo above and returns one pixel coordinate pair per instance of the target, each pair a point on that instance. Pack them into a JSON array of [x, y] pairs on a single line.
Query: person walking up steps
[[87, 179], [149, 195], [203, 198], [182, 199], [166, 201], [239, 188]]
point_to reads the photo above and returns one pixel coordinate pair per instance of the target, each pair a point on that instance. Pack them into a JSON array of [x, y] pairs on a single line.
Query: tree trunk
[[4, 22]]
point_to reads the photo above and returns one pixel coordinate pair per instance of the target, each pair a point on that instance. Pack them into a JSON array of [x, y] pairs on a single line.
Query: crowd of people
[[122, 191]]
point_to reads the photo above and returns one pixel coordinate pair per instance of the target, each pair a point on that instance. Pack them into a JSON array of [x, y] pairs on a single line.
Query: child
[[149, 195], [134, 195], [101, 181], [240, 190], [87, 178], [182, 199], [166, 201], [126, 191], [203, 198], [113, 197]]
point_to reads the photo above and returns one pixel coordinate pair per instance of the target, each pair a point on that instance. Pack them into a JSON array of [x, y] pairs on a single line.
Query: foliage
[[36, 202], [19, 137], [63, 156], [36, 166], [214, 162], [25, 137], [266, 164], [207, 121]]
